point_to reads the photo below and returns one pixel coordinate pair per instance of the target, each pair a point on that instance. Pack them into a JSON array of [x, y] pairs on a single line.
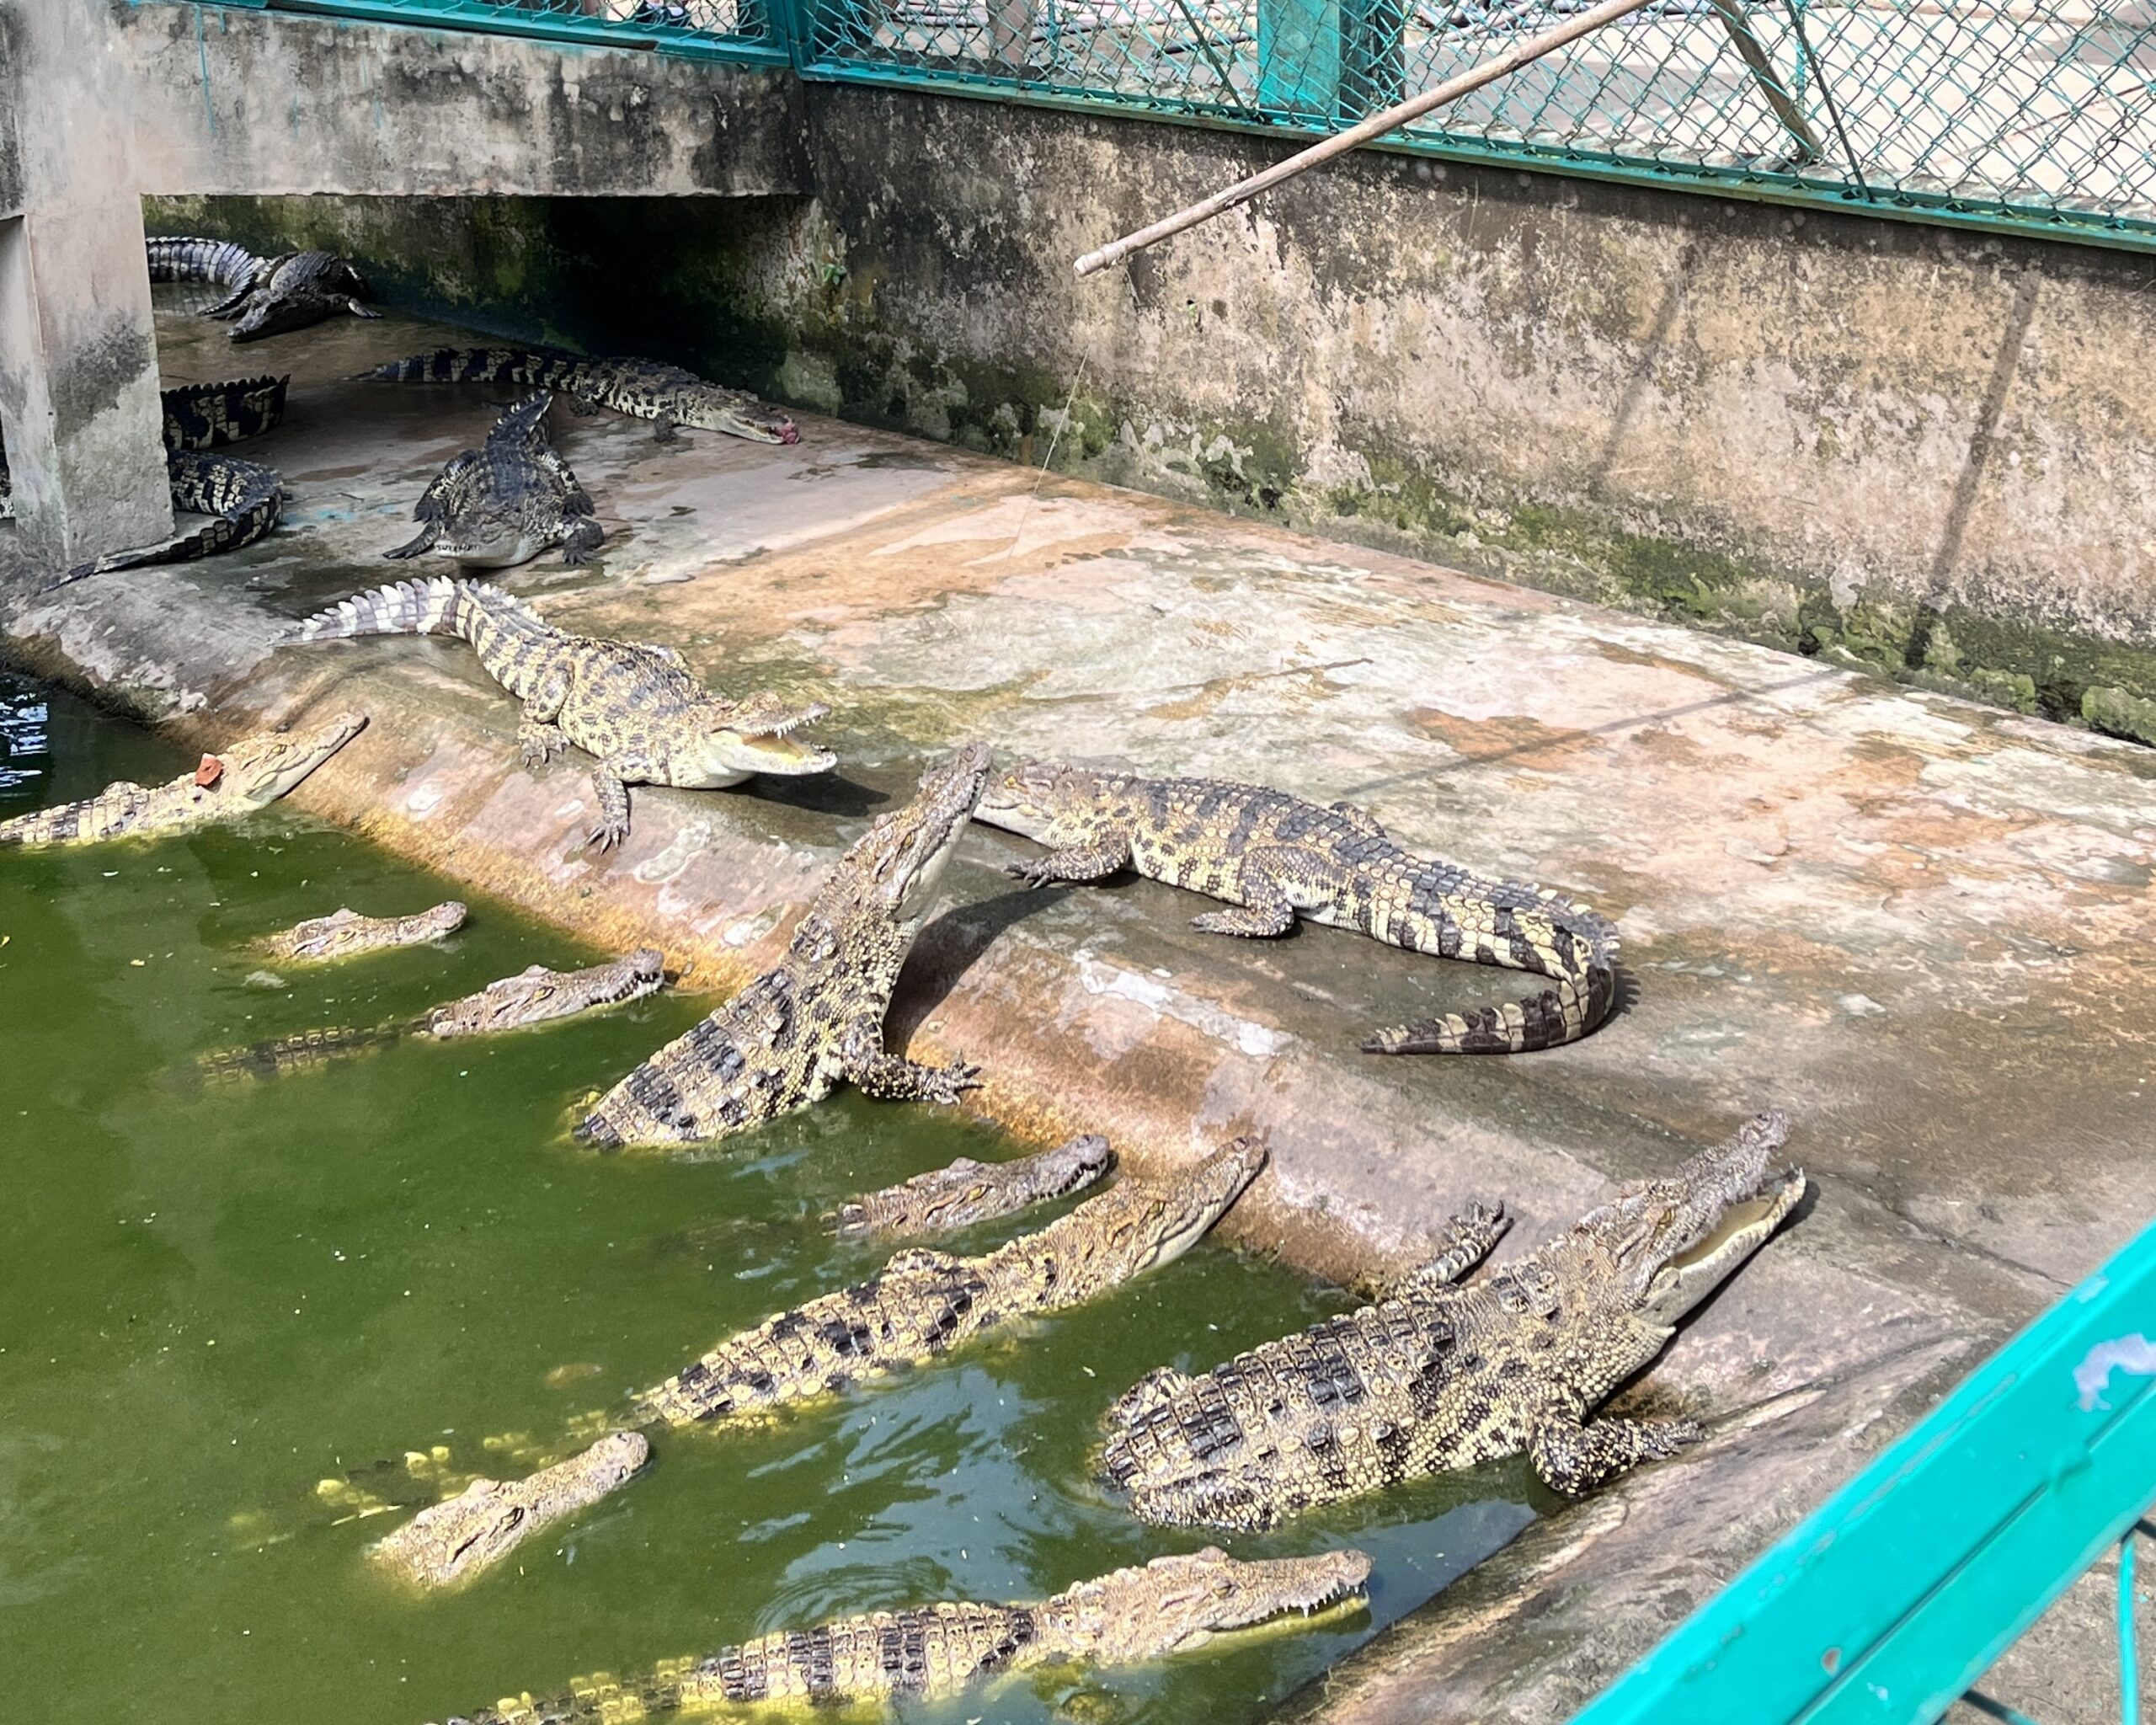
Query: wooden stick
[[1376, 127]]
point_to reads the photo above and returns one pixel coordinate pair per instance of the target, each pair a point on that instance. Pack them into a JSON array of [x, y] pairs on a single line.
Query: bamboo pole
[[1376, 127]]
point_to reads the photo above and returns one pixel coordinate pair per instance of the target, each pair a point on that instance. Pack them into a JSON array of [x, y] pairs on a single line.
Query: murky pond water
[[212, 1296]]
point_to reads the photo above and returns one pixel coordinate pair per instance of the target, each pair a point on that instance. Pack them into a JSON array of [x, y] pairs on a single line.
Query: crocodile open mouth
[[1745, 1223], [1690, 1275]]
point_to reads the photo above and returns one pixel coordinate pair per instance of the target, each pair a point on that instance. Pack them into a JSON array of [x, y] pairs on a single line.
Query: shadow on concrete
[[1643, 368], [951, 946], [826, 793], [2011, 341]]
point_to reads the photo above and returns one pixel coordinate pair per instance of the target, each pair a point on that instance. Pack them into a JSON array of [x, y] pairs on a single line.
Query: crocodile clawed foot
[[608, 834], [948, 1083], [1034, 874], [1660, 1442]]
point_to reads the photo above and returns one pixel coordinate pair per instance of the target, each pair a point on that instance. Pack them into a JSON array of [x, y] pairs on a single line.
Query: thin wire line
[[1056, 437]]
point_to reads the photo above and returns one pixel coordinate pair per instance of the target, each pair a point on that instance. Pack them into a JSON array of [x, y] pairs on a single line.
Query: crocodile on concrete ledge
[[787, 1038], [945, 1200], [919, 1308], [636, 708], [1150, 1611], [245, 776], [1438, 1377], [645, 389], [505, 503], [1276, 857], [533, 996], [269, 296], [343, 933], [242, 498]]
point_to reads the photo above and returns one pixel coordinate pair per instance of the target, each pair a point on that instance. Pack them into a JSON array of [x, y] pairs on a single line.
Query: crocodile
[[787, 1040], [242, 498], [1276, 857], [506, 502], [269, 296], [533, 996], [344, 933], [1148, 1611], [919, 1308], [644, 389], [635, 709], [248, 775], [945, 1200], [923, 1304], [1438, 1376], [451, 1541]]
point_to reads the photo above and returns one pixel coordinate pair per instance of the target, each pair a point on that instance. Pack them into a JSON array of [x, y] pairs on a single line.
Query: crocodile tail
[[472, 611], [205, 415], [194, 259], [535, 365], [1564, 1011], [523, 421], [242, 499], [288, 1054]]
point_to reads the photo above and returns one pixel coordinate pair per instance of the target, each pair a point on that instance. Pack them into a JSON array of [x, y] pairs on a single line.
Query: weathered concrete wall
[[236, 99], [78, 356], [1895, 447]]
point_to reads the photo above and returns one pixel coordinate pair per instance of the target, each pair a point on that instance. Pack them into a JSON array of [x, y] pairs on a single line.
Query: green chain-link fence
[[2020, 114]]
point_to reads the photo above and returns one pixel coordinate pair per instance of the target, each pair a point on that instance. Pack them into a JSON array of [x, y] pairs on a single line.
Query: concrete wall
[[1897, 446], [1901, 445], [78, 363], [236, 99]]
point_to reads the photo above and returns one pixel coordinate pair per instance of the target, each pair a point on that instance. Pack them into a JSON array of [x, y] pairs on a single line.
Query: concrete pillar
[[78, 354]]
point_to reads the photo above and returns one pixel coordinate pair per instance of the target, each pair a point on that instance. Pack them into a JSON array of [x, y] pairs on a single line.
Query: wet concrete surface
[[1920, 925]]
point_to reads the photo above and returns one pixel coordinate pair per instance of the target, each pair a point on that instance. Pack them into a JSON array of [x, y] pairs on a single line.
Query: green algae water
[[213, 1296]]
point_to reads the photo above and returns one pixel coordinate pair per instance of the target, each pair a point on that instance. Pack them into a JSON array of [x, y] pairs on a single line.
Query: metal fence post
[[1323, 61], [1298, 58]]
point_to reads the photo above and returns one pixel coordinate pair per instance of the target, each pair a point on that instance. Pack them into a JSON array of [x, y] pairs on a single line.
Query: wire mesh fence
[[2020, 114]]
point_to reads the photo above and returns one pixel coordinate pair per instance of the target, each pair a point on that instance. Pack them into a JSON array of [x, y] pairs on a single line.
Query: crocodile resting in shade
[[1438, 1376], [454, 1540], [945, 1200], [919, 1308], [787, 1038], [1276, 857], [269, 296], [506, 502], [533, 996], [634, 707], [1148, 1611], [645, 389], [242, 498], [246, 776], [343, 933]]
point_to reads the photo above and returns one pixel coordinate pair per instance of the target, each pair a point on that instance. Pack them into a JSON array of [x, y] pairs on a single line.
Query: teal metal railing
[[2027, 116], [1889, 1602], [720, 29]]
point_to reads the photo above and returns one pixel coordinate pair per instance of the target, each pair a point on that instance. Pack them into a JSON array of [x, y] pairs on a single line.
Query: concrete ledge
[[1919, 925], [235, 99]]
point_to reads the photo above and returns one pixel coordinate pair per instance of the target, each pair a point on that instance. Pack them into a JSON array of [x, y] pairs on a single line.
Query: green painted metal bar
[[557, 26], [2129, 1653], [1887, 1603]]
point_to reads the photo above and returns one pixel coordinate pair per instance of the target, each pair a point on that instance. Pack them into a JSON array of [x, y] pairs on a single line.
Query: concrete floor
[[1920, 925]]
